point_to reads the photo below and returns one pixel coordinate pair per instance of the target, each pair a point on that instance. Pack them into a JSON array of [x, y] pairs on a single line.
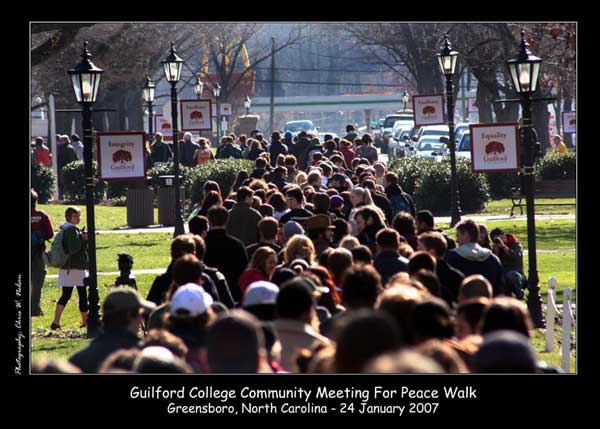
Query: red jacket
[[41, 222], [248, 277], [349, 155]]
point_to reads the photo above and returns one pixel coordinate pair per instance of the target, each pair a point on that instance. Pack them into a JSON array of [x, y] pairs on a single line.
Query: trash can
[[166, 201], [140, 207]]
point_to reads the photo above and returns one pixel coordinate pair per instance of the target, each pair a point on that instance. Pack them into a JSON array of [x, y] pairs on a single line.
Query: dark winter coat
[[389, 262], [92, 356], [228, 255], [186, 153], [243, 223], [367, 236], [473, 259], [276, 149]]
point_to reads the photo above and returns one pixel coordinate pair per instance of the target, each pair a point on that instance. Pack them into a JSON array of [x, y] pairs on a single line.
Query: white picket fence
[[568, 320]]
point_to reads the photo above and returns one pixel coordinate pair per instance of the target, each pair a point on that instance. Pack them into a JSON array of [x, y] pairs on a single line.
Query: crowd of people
[[315, 262]]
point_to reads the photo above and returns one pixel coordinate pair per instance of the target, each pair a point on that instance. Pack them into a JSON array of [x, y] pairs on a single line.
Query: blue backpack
[[400, 203]]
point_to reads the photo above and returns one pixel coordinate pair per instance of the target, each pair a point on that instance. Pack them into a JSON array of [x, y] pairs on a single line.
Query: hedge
[[222, 171], [42, 180], [558, 166], [501, 184], [73, 182], [433, 188], [409, 170], [168, 169]]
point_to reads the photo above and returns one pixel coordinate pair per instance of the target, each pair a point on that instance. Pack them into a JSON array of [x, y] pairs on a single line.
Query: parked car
[[306, 125], [431, 148], [390, 120], [463, 149], [433, 131], [460, 130]]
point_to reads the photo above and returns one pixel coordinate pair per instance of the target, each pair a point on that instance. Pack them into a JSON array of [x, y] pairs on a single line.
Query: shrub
[[73, 182], [558, 166], [222, 171], [42, 180], [409, 170], [433, 188], [501, 184]]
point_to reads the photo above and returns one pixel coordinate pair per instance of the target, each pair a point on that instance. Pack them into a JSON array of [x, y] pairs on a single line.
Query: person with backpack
[[71, 241], [400, 200], [41, 230]]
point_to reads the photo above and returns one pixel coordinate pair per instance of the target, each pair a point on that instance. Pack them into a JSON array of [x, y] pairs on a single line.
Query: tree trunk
[[541, 120], [484, 104]]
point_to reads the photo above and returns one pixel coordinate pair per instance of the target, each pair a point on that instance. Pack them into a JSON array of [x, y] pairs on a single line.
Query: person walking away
[[159, 150], [187, 149], [243, 219], [277, 147], [400, 200], [74, 271], [78, 146], [41, 230], [41, 153], [203, 153], [470, 258], [66, 155]]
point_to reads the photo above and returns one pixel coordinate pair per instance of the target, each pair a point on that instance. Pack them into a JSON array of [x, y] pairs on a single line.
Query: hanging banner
[[429, 109], [163, 126], [225, 109], [195, 115], [121, 155], [569, 122], [495, 148]]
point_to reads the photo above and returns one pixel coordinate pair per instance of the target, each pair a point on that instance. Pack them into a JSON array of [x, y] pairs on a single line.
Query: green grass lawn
[[503, 207], [106, 217]]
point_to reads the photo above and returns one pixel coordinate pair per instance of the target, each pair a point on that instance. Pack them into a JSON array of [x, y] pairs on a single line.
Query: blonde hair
[[299, 246], [301, 178], [364, 193]]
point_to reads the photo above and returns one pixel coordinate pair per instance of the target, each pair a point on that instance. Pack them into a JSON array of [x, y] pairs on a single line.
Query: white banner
[[494, 147], [195, 115], [429, 110], [569, 122], [163, 126], [121, 155]]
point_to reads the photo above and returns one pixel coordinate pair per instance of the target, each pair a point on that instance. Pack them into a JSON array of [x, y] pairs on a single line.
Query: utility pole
[[272, 107]]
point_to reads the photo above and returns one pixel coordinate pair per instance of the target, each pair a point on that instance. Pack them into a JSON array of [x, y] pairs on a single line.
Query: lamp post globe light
[[524, 70], [447, 59], [217, 94], [198, 88], [172, 66], [86, 80], [148, 95], [405, 99], [247, 104]]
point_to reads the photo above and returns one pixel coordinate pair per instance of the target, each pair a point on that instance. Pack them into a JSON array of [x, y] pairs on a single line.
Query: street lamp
[[447, 59], [172, 66], [198, 88], [148, 95], [524, 70], [405, 99], [247, 104], [217, 94], [86, 80]]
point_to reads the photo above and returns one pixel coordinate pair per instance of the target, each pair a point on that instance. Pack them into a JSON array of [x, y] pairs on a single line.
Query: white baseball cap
[[260, 292], [192, 298]]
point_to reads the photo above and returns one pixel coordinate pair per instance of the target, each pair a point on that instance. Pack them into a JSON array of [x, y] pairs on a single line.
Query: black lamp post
[[217, 94], [524, 70], [172, 66], [447, 59], [86, 80], [247, 104], [148, 95], [198, 88], [405, 99]]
